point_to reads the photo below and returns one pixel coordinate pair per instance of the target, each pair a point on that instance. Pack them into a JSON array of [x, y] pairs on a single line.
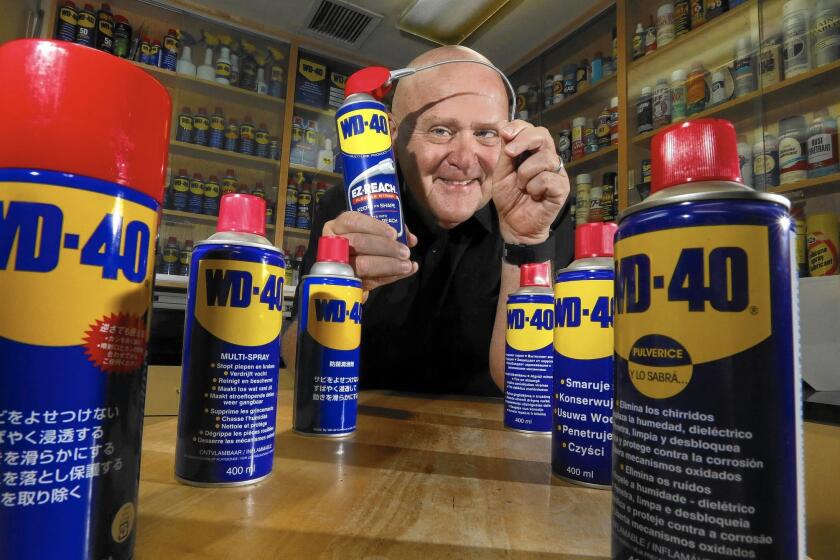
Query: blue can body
[[370, 173], [231, 360], [327, 370], [581, 446], [72, 364], [707, 423], [529, 364]]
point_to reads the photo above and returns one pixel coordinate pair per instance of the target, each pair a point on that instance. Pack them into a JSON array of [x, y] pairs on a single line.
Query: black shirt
[[431, 332]]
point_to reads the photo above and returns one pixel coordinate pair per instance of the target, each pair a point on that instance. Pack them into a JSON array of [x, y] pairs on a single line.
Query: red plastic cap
[[242, 213], [594, 240], [332, 248], [535, 274], [693, 151], [117, 131], [370, 80]]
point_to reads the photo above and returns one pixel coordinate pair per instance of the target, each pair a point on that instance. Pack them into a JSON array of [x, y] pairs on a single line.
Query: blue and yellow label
[[181, 184], [311, 70], [335, 316], [364, 131], [528, 361], [583, 376], [705, 290], [211, 190], [239, 302]]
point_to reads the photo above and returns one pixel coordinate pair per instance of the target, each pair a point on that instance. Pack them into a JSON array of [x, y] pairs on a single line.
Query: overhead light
[[447, 22]]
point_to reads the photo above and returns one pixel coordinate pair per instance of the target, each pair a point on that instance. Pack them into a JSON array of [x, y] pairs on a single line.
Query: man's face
[[448, 125]]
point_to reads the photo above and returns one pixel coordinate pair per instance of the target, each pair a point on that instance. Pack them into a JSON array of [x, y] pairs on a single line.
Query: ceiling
[[516, 29]]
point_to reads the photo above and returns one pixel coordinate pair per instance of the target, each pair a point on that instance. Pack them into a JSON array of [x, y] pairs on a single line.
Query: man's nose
[[463, 153]]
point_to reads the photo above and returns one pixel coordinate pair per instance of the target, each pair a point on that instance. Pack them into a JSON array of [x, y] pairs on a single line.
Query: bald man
[[473, 185]]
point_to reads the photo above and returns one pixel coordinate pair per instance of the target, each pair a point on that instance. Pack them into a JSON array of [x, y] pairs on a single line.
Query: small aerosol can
[[581, 445], [528, 351], [370, 171], [329, 333], [707, 425], [231, 351]]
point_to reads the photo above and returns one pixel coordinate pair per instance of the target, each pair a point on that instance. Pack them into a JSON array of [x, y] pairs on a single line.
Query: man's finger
[[376, 245], [537, 163], [356, 222], [369, 266], [373, 283], [530, 140]]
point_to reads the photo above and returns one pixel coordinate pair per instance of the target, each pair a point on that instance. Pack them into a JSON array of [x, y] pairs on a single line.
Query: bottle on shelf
[[661, 103], [564, 143], [275, 83], [578, 140], [290, 215], [169, 51], [582, 78], [822, 145], [583, 184], [184, 130], [698, 13], [185, 64], [665, 24], [569, 79], [743, 71], [796, 40], [826, 23], [639, 42], [269, 212], [246, 136], [122, 36], [180, 191], [206, 71], [714, 8], [231, 135], [169, 257], [261, 141], [793, 150], [66, 21], [718, 90], [144, 50], [105, 29], [217, 129], [210, 205], [86, 26], [678, 94], [222, 70], [644, 111], [228, 182], [745, 157], [614, 136], [682, 18], [650, 37], [201, 127], [596, 194], [261, 86], [259, 190], [695, 86], [304, 207], [596, 69], [770, 63], [195, 199], [765, 161], [184, 257], [234, 69], [325, 160], [154, 53]]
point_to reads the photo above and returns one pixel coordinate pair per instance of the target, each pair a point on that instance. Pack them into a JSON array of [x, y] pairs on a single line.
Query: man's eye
[[439, 131], [487, 134]]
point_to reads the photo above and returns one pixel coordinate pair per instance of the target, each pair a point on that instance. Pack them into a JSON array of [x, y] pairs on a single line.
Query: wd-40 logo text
[[335, 311], [541, 319], [114, 246], [234, 288], [571, 313], [239, 301], [530, 324], [363, 131], [583, 323]]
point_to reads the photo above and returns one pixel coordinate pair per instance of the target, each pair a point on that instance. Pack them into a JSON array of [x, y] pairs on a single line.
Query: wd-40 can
[[231, 351], [370, 172], [581, 444], [78, 222], [528, 353], [707, 448], [329, 333]]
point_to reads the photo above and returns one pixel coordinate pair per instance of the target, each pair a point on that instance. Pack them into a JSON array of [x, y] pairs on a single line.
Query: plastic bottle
[[275, 82], [261, 87], [259, 190], [650, 37], [590, 140], [185, 64], [184, 132], [154, 53], [246, 136], [698, 13], [714, 8], [231, 135], [796, 43], [195, 200], [682, 18], [210, 205], [597, 67], [222, 70], [261, 141], [66, 21], [745, 156], [144, 50], [180, 191], [201, 127], [614, 120], [217, 129], [234, 69], [583, 184], [644, 111], [86, 26], [304, 207], [290, 215], [765, 161], [169, 259], [274, 148], [661, 103], [608, 201], [639, 42], [718, 93], [770, 63], [822, 145], [326, 161], [826, 23], [558, 94], [578, 142], [228, 183], [184, 257], [744, 71], [564, 143], [793, 150], [105, 29], [169, 51], [582, 75], [678, 95], [665, 24], [596, 213], [695, 89], [548, 91], [122, 37], [206, 71], [602, 127], [569, 79]]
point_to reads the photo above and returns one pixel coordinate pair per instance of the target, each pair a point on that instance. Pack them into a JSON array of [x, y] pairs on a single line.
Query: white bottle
[[234, 69], [206, 70], [718, 93], [796, 43], [326, 161], [664, 24], [185, 64], [746, 158], [223, 66], [262, 87]]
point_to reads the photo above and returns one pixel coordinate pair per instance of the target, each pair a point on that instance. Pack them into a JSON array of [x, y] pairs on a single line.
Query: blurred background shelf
[[316, 172], [593, 161], [223, 157]]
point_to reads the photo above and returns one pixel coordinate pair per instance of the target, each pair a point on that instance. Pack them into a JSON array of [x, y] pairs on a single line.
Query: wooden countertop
[[422, 477]]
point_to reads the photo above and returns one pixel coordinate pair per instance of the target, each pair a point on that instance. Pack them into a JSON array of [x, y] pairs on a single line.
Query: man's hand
[[375, 254], [528, 195]]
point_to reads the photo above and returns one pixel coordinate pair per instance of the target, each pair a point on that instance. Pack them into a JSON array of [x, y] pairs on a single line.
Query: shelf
[[771, 97], [296, 232], [224, 157], [316, 172], [592, 161], [810, 187], [171, 281], [198, 218], [719, 31], [212, 89], [313, 109], [593, 97]]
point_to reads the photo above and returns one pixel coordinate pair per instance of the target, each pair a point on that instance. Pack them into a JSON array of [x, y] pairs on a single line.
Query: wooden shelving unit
[[600, 93], [297, 232], [199, 218], [593, 160], [810, 187], [312, 109], [223, 157], [316, 172]]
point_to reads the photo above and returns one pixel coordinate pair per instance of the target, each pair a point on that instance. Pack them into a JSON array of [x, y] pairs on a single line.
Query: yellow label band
[[334, 316], [529, 326], [364, 131], [584, 319]]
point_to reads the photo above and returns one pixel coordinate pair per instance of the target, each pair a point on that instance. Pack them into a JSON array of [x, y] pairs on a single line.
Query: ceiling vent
[[341, 21]]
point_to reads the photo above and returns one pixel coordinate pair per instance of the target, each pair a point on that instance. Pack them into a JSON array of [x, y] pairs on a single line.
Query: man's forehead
[[453, 82]]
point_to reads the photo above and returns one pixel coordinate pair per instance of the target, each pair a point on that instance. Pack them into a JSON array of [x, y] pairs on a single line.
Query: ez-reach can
[[329, 334], [707, 456], [529, 363], [370, 171], [581, 444], [78, 222], [231, 351]]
